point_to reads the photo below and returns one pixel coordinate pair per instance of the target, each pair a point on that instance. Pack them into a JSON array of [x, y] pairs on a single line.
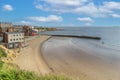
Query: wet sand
[[30, 57], [82, 60]]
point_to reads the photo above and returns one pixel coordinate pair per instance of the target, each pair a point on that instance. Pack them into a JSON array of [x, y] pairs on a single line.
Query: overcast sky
[[61, 12]]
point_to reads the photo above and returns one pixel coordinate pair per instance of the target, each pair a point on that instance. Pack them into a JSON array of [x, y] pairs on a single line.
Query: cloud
[[7, 7], [89, 9], [61, 6], [66, 2], [88, 24], [79, 7], [115, 15], [23, 22], [92, 10], [112, 5], [50, 18], [85, 19]]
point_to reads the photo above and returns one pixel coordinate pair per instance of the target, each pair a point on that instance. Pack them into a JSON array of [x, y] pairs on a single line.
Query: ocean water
[[110, 35]]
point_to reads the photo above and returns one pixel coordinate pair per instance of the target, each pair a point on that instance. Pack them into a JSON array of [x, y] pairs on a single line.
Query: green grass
[[2, 53], [25, 75], [1, 64], [9, 72]]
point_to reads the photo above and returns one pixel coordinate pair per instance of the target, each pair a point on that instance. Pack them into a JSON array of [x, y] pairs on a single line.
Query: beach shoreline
[[30, 57], [64, 56]]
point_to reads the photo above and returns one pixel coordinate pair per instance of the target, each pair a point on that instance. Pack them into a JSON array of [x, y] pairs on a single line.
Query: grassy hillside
[[10, 73]]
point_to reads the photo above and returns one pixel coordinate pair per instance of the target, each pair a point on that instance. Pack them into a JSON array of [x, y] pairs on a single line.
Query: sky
[[61, 12]]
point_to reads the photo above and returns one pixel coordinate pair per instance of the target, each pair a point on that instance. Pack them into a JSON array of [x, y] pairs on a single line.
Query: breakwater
[[76, 36]]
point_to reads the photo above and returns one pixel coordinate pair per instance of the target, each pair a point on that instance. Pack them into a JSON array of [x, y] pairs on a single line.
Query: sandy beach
[[62, 56], [30, 57]]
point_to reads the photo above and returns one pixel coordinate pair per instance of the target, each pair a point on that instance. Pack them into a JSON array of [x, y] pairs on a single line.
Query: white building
[[13, 39]]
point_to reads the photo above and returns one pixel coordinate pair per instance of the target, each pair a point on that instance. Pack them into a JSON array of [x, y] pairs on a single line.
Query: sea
[[109, 35]]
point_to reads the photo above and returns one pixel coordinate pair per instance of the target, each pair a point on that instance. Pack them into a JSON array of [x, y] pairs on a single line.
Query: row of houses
[[14, 35], [9, 27], [6, 27]]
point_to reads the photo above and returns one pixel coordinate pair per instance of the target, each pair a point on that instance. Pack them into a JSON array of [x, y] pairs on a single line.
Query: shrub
[[2, 53], [1, 64], [12, 72], [25, 75]]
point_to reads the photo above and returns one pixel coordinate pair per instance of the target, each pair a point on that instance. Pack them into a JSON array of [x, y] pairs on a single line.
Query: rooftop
[[5, 23], [14, 32]]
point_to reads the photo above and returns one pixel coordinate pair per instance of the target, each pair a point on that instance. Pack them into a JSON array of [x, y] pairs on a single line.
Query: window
[[10, 39]]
